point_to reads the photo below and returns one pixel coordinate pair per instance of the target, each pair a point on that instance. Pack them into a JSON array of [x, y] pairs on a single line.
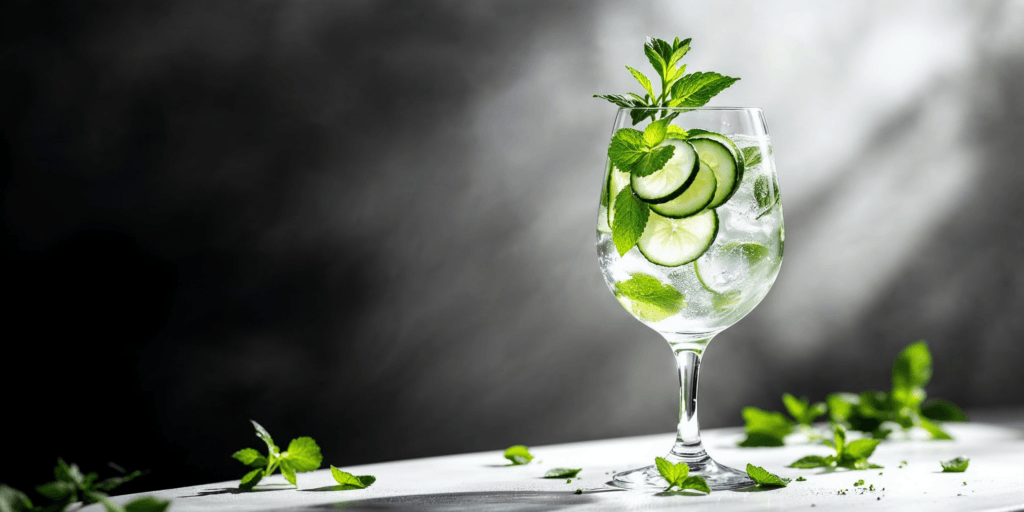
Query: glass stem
[[688, 350]]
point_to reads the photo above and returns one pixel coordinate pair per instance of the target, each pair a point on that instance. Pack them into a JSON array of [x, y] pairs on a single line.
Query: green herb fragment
[[647, 298], [562, 473], [302, 455], [567, 480], [852, 455], [579, 491], [871, 487], [518, 454], [348, 481], [677, 476], [764, 428], [763, 478], [957, 465], [801, 479], [858, 483]]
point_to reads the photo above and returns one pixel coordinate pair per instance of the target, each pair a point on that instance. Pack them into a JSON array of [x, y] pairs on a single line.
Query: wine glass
[[709, 251]]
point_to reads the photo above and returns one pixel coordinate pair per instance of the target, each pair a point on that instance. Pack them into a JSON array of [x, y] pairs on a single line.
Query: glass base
[[719, 477]]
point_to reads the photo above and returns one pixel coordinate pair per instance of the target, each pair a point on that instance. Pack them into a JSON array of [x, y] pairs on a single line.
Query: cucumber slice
[[667, 183], [717, 151], [673, 242], [694, 199], [617, 180]]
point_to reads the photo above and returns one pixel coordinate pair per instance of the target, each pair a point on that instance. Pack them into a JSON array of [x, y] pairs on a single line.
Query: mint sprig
[[677, 88], [302, 455], [72, 486], [763, 478], [677, 476], [853, 455], [764, 428]]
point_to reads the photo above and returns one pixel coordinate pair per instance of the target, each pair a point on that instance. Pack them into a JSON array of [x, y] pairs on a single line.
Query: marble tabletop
[[482, 481]]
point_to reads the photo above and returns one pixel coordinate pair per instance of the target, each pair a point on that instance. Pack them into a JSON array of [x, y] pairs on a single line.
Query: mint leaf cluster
[[903, 406], [871, 412], [677, 476], [562, 472], [678, 89], [853, 455], [70, 486], [302, 455]]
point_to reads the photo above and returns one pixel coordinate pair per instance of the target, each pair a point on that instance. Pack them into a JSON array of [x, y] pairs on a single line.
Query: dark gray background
[[373, 222]]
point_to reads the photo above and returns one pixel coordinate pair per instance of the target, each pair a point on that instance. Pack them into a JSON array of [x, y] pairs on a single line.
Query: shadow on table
[[236, 490], [528, 501]]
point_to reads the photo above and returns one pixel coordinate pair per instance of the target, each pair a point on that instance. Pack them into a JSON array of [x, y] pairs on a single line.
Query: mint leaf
[[647, 298], [13, 500], [562, 473], [675, 132], [695, 483], [250, 457], [763, 478], [655, 132], [935, 430], [762, 192], [766, 425], [265, 436], [65, 472], [627, 146], [56, 490], [652, 160], [518, 454], [303, 454], [861, 448], [115, 482], [251, 479], [652, 50], [288, 472], [617, 99], [941, 410], [629, 221], [810, 461], [680, 49], [911, 372], [644, 81], [957, 465], [147, 504], [696, 89], [800, 409], [751, 156], [348, 481], [674, 474], [762, 440]]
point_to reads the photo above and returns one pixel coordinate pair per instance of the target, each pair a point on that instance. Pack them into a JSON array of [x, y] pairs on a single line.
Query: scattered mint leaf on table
[[941, 410], [677, 475], [801, 479], [518, 454], [562, 473], [347, 481], [302, 455], [957, 465], [13, 500], [72, 486], [646, 297], [853, 455], [764, 478]]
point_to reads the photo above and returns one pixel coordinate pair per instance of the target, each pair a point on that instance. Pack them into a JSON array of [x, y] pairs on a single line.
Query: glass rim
[[683, 109]]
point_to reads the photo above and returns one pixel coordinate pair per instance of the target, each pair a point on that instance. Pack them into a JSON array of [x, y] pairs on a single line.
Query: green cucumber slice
[[617, 180], [719, 159], [674, 242], [666, 184], [694, 199]]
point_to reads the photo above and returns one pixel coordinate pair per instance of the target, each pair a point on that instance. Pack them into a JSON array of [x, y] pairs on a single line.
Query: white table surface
[[482, 481]]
